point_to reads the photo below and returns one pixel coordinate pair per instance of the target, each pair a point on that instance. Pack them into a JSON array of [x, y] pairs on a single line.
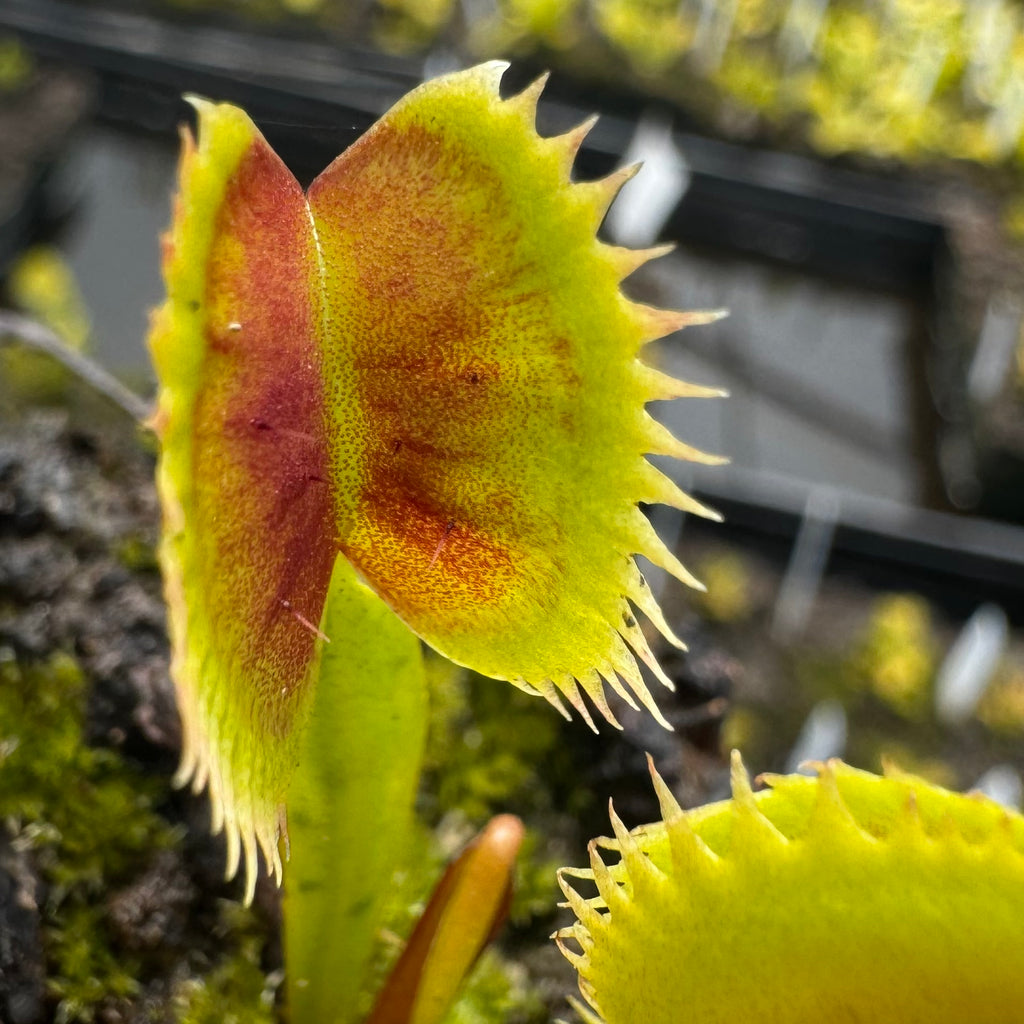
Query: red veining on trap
[[428, 362], [263, 511]]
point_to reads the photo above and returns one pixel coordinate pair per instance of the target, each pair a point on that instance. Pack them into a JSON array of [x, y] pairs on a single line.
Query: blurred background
[[846, 177]]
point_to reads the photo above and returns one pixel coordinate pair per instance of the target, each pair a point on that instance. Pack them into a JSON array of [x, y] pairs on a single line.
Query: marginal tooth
[[653, 549], [586, 1013], [830, 818], [585, 913], [249, 851], [689, 852], [578, 960], [571, 872], [773, 780], [660, 387], [739, 779], [188, 770], [628, 261], [659, 323], [579, 933], [563, 875], [891, 770], [234, 850], [492, 72], [271, 855], [198, 103], [592, 686], [625, 841], [550, 693], [611, 677], [525, 102], [625, 665], [284, 838], [216, 804], [662, 441], [670, 809], [222, 792], [843, 770], [567, 684], [275, 868], [639, 868], [610, 890], [598, 195], [641, 596], [634, 636], [526, 687], [750, 828], [569, 142], [657, 489]]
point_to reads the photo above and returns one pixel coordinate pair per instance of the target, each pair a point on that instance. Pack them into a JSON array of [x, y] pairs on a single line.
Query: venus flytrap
[[405, 403], [846, 897]]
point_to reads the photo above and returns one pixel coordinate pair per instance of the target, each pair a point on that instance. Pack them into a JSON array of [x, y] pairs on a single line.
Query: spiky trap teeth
[[496, 508], [843, 897], [424, 365]]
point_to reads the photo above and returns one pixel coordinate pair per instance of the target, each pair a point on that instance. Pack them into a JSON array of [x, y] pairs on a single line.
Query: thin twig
[[14, 327]]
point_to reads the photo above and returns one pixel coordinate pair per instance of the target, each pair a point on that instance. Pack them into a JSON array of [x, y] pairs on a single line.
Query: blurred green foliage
[[1002, 707], [497, 990], [489, 750], [906, 79], [485, 744], [891, 662], [897, 656], [15, 65], [729, 596], [41, 285]]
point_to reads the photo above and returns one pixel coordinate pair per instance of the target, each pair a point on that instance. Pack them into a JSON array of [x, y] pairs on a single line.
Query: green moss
[[86, 812], [497, 990], [492, 749], [485, 743], [88, 819], [86, 971], [236, 991]]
